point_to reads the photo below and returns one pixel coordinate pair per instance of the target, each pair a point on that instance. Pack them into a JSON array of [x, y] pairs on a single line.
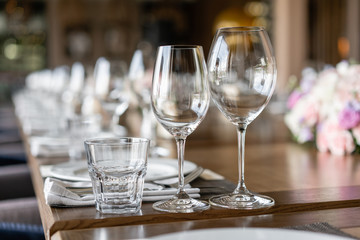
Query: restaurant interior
[[43, 42]]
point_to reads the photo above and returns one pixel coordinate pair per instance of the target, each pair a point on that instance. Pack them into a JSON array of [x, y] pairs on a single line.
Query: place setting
[[79, 103], [68, 184]]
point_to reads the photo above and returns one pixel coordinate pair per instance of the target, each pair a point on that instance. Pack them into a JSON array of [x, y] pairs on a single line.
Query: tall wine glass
[[140, 77], [180, 99], [110, 91], [242, 77]]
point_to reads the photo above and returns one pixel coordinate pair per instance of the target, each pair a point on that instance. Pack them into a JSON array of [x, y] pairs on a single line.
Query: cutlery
[[82, 186], [173, 182], [86, 191]]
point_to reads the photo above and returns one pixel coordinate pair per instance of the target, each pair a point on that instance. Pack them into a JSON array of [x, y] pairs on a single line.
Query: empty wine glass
[[242, 77], [180, 100], [140, 77], [110, 90]]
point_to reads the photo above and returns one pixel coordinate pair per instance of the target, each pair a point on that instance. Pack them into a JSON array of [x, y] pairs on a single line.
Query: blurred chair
[[18, 231], [19, 213], [11, 147], [12, 153], [15, 182]]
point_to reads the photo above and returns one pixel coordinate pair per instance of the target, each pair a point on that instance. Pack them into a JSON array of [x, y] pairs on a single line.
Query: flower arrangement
[[325, 109]]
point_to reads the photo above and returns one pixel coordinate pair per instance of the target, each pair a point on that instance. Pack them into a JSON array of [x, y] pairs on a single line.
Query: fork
[[173, 182]]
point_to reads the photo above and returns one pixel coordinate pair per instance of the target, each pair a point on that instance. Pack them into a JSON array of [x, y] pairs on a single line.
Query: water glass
[[117, 167]]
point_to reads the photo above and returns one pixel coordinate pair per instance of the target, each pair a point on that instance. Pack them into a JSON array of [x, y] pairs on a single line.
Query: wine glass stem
[[180, 142], [241, 131]]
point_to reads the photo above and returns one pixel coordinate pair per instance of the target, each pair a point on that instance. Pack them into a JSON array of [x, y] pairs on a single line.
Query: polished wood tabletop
[[308, 186], [346, 219]]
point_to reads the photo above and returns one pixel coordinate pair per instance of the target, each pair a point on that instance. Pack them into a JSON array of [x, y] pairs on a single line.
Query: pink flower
[[293, 99], [335, 139], [322, 141], [311, 114], [342, 143], [349, 118]]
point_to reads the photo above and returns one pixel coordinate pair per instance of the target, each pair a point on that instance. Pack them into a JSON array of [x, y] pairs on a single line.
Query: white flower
[[342, 67], [324, 89]]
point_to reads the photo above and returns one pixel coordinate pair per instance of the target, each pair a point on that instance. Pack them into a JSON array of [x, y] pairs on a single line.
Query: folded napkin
[[39, 125], [56, 194], [41, 146]]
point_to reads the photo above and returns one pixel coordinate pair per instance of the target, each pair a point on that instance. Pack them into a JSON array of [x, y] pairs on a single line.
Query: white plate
[[158, 168], [247, 233]]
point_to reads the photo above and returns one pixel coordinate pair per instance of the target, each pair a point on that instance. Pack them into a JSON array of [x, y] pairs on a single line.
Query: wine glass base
[[246, 201], [177, 205]]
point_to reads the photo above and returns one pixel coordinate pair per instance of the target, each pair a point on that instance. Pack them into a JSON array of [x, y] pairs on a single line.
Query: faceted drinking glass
[[117, 167]]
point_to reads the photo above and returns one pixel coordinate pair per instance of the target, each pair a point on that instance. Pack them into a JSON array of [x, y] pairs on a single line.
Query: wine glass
[[140, 77], [242, 77], [110, 90], [180, 99]]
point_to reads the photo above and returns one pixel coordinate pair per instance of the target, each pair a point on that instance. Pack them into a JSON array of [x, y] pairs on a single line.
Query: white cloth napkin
[[41, 146], [58, 195], [37, 127]]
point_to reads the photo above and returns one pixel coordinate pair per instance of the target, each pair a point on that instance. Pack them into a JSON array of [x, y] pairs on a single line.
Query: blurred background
[[39, 34], [64, 41]]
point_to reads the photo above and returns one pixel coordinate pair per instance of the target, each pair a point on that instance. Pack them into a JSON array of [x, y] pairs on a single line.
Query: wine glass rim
[[242, 29], [181, 46]]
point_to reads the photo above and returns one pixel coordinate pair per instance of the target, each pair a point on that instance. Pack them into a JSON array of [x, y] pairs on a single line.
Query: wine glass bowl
[[110, 82], [140, 77], [180, 100], [242, 77]]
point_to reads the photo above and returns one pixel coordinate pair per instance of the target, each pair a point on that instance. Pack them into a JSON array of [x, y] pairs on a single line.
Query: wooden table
[[336, 217], [307, 186]]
